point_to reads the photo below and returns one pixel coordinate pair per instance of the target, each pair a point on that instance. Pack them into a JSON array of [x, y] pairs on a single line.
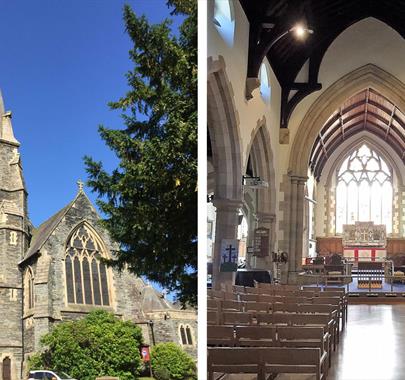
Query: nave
[[285, 333]]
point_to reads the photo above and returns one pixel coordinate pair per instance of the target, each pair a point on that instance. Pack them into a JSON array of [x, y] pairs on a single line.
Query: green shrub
[[98, 345], [170, 362]]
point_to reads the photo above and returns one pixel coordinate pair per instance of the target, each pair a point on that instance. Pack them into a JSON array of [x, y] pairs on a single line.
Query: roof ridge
[[52, 222]]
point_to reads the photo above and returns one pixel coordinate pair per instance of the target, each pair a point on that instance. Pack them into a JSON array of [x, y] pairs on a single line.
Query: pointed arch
[[88, 280], [29, 294], [224, 135], [261, 155], [330, 100]]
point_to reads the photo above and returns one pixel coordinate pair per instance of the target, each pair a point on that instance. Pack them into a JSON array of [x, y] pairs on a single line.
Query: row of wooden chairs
[[264, 361], [301, 296], [327, 320]]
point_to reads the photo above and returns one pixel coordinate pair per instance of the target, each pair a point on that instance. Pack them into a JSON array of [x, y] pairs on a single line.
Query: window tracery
[[364, 190], [86, 276]]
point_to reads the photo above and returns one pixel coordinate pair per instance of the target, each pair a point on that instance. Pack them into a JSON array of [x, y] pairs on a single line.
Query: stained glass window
[[364, 189], [87, 280]]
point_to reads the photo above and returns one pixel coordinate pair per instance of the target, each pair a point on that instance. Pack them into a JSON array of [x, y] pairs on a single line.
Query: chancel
[[309, 99]]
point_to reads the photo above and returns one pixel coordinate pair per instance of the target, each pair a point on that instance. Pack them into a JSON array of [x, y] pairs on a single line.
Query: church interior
[[305, 189]]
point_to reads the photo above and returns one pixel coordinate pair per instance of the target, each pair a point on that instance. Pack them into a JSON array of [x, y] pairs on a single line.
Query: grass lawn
[[146, 378]]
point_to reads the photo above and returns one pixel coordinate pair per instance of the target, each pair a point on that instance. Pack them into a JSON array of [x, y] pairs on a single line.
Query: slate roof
[[42, 233], [152, 300]]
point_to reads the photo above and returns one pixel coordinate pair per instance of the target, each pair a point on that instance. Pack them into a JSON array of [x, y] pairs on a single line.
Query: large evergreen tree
[[150, 199]]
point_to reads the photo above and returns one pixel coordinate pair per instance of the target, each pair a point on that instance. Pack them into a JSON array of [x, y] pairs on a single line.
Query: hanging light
[[301, 31]]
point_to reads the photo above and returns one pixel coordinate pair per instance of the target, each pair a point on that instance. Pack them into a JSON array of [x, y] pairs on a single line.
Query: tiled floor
[[373, 345]]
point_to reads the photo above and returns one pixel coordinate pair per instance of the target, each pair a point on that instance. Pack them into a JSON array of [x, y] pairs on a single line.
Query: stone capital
[[298, 179], [265, 217], [227, 204]]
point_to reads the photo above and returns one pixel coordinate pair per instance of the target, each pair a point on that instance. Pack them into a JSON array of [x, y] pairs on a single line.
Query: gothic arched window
[[29, 289], [224, 20], [364, 190], [87, 280], [186, 335]]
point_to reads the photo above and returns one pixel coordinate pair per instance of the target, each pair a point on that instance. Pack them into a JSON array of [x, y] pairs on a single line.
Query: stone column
[[226, 227], [296, 226], [266, 220]]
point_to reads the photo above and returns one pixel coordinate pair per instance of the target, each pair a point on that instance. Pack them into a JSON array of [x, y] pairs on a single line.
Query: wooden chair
[[235, 361], [320, 308], [264, 318], [213, 304], [259, 336], [235, 318], [248, 297], [258, 306], [220, 336], [304, 336], [285, 307], [232, 305], [335, 301], [213, 318], [262, 361]]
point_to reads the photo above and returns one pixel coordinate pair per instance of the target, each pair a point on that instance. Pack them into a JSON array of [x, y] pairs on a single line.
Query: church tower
[[13, 244]]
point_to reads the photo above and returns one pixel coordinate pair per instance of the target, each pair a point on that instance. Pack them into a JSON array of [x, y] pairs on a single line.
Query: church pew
[[262, 361], [220, 336]]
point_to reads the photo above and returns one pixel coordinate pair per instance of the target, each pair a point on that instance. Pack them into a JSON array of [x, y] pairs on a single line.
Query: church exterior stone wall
[[33, 279]]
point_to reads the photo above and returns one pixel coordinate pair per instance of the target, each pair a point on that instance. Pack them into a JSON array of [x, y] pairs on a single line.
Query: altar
[[365, 243]]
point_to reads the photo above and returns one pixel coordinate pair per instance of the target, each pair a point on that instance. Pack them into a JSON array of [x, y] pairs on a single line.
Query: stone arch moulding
[[389, 158], [223, 126], [259, 148], [353, 82], [96, 235]]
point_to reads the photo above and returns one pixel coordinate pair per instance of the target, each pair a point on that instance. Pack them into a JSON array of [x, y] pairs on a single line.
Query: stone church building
[[53, 273]]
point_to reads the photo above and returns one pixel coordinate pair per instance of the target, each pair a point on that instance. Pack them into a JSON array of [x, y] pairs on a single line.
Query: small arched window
[[87, 278], [224, 20], [6, 372], [186, 335], [265, 89], [29, 289]]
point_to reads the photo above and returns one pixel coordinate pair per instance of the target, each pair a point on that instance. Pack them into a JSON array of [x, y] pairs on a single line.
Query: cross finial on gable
[[80, 184]]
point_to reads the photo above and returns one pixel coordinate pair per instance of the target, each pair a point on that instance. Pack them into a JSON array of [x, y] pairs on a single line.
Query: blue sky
[[61, 62]]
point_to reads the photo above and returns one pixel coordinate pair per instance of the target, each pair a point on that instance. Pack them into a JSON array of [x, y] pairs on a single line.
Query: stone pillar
[[296, 227], [266, 220], [226, 227]]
